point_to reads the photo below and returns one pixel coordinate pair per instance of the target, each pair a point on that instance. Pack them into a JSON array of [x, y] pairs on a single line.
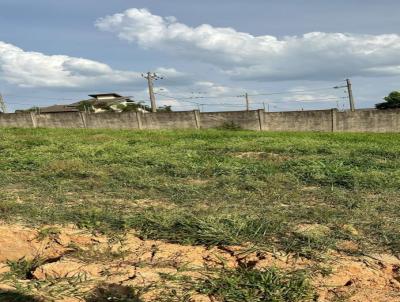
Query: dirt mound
[[70, 264]]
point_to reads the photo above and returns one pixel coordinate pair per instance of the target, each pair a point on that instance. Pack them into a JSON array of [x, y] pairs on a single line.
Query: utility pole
[[247, 102], [150, 77], [264, 105], [350, 92], [3, 107]]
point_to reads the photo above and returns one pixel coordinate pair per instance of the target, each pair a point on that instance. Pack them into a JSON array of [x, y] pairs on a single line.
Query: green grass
[[204, 187], [250, 285]]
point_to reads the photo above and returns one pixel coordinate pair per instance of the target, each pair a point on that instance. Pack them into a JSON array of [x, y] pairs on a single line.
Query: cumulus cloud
[[34, 69], [315, 56]]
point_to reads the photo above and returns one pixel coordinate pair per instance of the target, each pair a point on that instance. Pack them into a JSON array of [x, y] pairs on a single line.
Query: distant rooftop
[[102, 95], [57, 109]]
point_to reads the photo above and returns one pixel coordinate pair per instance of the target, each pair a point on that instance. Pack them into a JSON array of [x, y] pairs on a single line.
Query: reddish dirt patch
[[142, 263]]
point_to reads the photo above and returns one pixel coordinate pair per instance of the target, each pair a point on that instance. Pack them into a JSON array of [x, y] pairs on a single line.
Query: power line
[[293, 91], [275, 102], [256, 94], [178, 99]]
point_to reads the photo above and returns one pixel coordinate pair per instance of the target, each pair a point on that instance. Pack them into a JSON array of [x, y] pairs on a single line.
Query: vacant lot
[[304, 194]]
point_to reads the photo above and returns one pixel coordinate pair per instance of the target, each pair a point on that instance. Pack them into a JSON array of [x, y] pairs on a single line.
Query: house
[[107, 102], [103, 102]]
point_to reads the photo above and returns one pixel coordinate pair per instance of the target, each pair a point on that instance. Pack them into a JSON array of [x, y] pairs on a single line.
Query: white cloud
[[315, 56], [34, 69]]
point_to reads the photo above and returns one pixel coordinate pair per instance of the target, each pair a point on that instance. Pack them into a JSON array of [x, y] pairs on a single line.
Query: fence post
[[139, 120], [197, 118], [261, 117], [83, 118], [333, 116], [33, 118]]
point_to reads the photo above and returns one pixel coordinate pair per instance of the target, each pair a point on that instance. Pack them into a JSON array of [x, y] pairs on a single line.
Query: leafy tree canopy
[[391, 101]]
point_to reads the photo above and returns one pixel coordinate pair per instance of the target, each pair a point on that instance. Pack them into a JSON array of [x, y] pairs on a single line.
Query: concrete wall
[[59, 120], [23, 120], [169, 120], [245, 119], [317, 120], [127, 120], [369, 121]]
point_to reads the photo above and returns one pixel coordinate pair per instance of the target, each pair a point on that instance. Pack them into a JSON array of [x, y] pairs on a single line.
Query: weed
[[49, 232], [23, 268], [114, 292]]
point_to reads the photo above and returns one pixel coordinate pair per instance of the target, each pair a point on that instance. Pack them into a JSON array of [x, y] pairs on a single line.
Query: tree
[[164, 108], [85, 106], [133, 107], [392, 101]]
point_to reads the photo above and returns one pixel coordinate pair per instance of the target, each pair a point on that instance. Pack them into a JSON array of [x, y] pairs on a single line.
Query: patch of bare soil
[[150, 203], [76, 264]]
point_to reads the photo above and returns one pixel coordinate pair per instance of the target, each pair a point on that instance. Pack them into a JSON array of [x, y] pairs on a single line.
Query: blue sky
[[53, 51]]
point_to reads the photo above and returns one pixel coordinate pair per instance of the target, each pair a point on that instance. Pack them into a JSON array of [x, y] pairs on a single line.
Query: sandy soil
[[74, 262]]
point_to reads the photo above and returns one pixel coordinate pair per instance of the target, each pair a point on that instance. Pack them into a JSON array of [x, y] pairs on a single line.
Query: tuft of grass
[[270, 285], [23, 268], [114, 292], [49, 232]]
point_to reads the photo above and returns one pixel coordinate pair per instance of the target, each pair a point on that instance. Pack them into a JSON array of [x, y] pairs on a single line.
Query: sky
[[286, 54]]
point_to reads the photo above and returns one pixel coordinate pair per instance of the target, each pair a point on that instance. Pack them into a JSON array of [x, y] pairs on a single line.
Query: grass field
[[209, 187]]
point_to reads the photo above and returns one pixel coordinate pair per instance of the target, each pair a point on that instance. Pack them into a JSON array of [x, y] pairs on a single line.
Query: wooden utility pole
[[150, 77], [3, 107], [247, 102], [350, 92]]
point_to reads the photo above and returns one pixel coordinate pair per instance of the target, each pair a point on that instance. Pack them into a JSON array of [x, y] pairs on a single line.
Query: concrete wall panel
[[316, 120], [169, 120], [245, 119], [59, 120], [23, 120], [111, 120]]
